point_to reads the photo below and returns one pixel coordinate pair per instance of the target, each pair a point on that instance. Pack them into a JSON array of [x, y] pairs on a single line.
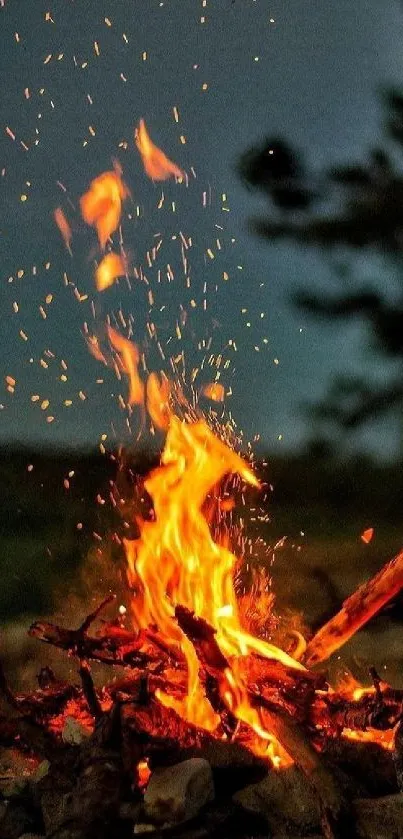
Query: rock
[[19, 818], [234, 767], [177, 793], [379, 818], [15, 770], [368, 766], [56, 806], [130, 811], [74, 733], [286, 800], [40, 772], [32, 836]]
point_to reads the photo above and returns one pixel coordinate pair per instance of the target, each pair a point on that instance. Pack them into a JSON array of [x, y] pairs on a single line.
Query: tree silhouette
[[353, 207]]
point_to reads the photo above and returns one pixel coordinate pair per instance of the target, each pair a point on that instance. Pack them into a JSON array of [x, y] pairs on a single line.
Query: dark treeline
[[56, 508]]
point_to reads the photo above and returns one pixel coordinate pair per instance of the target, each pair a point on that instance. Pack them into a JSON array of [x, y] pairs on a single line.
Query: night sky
[[305, 70]]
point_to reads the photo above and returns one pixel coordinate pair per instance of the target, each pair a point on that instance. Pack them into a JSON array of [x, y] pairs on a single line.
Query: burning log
[[370, 711], [275, 720], [166, 738], [116, 647], [356, 611]]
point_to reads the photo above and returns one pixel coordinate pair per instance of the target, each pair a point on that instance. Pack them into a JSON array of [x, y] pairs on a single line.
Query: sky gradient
[[307, 71]]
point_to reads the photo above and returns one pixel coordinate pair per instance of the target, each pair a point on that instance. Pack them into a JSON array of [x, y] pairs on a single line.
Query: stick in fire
[[356, 611]]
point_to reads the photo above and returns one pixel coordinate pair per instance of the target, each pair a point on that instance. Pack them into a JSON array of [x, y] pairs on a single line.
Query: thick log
[[356, 611], [292, 689], [166, 738], [275, 720]]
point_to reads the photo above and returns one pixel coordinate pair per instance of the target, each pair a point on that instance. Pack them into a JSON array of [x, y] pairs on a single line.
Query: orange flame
[[94, 348], [158, 400], [109, 269], [214, 391], [63, 226], [156, 164], [176, 562], [101, 206], [366, 535], [129, 359]]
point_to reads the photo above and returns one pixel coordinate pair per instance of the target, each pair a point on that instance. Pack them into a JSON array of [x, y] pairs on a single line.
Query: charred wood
[[122, 648]]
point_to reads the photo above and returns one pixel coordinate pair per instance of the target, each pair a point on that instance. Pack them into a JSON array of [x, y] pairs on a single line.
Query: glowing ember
[[176, 562], [214, 391], [367, 535], [101, 206], [156, 164], [109, 269], [385, 739], [64, 227]]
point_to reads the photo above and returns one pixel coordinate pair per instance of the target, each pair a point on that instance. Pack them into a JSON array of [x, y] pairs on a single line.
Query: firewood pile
[[82, 760]]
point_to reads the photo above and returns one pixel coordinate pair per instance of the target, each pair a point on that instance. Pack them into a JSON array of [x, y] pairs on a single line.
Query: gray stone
[[74, 733], [379, 818], [177, 793], [40, 772], [55, 806], [286, 800]]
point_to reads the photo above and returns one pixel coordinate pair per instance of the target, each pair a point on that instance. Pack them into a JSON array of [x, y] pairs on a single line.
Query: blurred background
[[289, 117]]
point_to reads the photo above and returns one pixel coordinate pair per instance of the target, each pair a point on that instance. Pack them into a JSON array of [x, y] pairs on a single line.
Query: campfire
[[196, 701], [205, 726]]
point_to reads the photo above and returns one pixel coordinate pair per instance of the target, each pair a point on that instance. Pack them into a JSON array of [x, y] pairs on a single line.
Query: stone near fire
[[19, 818], [73, 732], [379, 818], [177, 793], [286, 800], [32, 836]]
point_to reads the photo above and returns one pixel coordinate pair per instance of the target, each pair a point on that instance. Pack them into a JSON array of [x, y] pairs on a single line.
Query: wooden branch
[[356, 611], [89, 690], [124, 649], [92, 617]]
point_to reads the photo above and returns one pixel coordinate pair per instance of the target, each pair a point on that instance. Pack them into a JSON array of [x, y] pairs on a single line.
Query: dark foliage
[[369, 215]]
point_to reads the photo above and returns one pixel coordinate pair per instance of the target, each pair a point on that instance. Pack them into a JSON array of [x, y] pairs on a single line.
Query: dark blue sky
[[319, 65]]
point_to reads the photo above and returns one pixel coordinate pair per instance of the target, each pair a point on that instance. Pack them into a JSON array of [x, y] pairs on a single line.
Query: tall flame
[[176, 562], [129, 359], [156, 164]]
